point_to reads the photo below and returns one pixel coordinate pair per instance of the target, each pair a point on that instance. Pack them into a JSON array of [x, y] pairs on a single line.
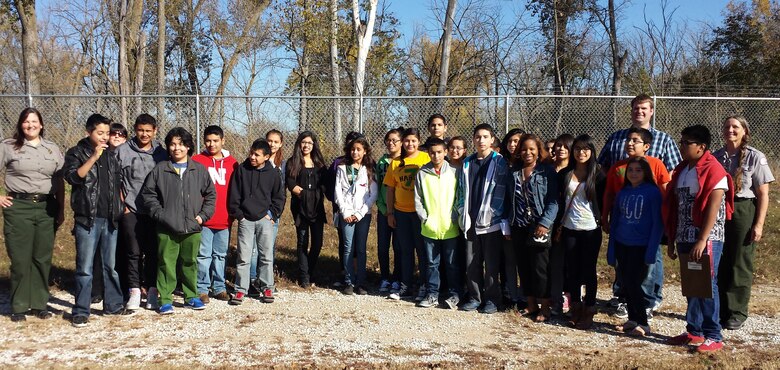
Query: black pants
[[139, 235], [533, 264], [308, 253], [633, 272], [483, 262], [557, 272], [582, 254]]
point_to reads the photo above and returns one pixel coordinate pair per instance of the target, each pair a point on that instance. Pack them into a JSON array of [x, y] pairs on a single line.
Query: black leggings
[[582, 253], [308, 254]]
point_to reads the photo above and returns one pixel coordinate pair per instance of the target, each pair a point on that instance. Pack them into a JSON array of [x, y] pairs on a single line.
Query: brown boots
[[575, 311], [586, 318]]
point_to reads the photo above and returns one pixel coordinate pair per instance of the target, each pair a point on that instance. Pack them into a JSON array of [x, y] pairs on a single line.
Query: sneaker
[[614, 302], [452, 302], [710, 345], [166, 309], [397, 294], [421, 294], [338, 285], [348, 290], [79, 321], [195, 304], [42, 314], [221, 296], [253, 292], [471, 305], [237, 299], [657, 306], [488, 308], [428, 302], [361, 291], [268, 295], [96, 299], [121, 312], [134, 302], [565, 303], [204, 298], [18, 317], [685, 339], [649, 312], [384, 287], [621, 311], [152, 300]]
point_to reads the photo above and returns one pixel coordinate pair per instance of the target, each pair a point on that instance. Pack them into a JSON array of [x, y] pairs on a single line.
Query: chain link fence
[[248, 118]]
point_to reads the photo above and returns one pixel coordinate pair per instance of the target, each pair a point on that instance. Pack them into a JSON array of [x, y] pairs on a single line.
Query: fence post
[[29, 100], [360, 113], [506, 114], [654, 113], [197, 122]]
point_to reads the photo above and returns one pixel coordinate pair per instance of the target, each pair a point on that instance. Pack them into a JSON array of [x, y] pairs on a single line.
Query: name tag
[[694, 266]]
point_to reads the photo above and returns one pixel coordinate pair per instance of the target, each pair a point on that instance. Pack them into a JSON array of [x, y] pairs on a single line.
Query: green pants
[[172, 249], [735, 275], [29, 239]]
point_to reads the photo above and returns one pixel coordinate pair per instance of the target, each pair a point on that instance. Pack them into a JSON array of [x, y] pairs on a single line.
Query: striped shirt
[[663, 148]]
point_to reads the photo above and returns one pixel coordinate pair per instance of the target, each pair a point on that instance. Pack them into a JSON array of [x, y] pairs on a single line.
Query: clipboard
[[695, 277]]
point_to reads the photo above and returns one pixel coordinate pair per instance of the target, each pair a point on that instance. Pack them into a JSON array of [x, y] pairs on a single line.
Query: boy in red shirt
[[216, 231]]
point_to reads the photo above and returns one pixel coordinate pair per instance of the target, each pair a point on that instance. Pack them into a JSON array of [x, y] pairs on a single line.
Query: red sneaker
[[709, 345], [237, 299], [268, 295], [685, 339]]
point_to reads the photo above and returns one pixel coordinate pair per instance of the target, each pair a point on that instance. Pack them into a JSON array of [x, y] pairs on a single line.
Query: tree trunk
[[124, 84], [334, 67], [27, 17], [446, 42], [363, 34], [161, 33]]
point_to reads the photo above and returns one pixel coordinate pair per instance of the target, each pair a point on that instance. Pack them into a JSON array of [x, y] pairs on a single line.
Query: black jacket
[[253, 192], [84, 195], [174, 201]]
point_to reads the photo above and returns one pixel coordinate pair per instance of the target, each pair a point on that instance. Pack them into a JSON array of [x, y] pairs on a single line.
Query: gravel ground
[[323, 328]]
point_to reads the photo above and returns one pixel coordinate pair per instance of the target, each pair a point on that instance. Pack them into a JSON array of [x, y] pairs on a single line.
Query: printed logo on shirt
[[632, 207], [218, 175]]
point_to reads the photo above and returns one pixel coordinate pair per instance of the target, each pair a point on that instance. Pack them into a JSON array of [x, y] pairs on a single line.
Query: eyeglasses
[[581, 149], [688, 142], [457, 148], [392, 141], [635, 141], [310, 143]]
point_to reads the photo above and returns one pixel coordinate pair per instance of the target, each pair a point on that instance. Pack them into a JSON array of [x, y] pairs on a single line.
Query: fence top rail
[[347, 97]]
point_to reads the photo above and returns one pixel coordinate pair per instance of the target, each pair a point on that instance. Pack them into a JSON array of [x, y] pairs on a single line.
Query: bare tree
[[334, 66], [26, 11], [363, 34]]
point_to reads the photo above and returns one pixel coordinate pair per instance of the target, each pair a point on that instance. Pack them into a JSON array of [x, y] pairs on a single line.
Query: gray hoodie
[[136, 165]]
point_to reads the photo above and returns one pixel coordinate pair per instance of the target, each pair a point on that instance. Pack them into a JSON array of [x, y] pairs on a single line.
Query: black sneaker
[[348, 290], [120, 312], [42, 314], [18, 317], [79, 321], [361, 291]]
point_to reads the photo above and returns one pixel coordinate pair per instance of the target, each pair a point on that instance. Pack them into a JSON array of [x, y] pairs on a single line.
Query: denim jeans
[[256, 257], [435, 250], [703, 314], [102, 235], [355, 238], [384, 239], [410, 240], [253, 235], [211, 260]]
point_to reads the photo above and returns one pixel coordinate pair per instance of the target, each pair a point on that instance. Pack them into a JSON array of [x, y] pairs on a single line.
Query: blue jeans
[[256, 257], [102, 235], [384, 238], [211, 260], [435, 249], [255, 237], [355, 238], [652, 286], [410, 240], [703, 314]]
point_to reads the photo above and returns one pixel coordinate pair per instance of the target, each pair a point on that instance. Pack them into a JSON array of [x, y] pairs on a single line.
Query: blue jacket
[[544, 186], [492, 213], [636, 221]]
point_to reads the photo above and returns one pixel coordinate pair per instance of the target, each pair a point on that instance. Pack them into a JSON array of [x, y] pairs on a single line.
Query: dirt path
[[324, 328]]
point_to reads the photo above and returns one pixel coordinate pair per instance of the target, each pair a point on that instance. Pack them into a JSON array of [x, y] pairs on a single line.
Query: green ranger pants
[[29, 240], [172, 249], [735, 275]]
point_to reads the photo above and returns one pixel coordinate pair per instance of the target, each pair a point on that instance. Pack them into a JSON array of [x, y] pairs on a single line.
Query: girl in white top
[[355, 194]]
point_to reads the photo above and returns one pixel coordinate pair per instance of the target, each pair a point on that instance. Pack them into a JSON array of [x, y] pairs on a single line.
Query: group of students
[[513, 208]]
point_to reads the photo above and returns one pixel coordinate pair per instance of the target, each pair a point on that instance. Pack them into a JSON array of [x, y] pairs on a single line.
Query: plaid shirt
[[663, 148]]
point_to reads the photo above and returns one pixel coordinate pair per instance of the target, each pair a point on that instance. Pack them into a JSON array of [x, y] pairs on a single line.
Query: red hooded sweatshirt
[[220, 170], [709, 172]]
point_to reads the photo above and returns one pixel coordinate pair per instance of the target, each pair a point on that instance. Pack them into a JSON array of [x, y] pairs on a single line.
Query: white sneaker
[[397, 294], [421, 294], [134, 302], [151, 299]]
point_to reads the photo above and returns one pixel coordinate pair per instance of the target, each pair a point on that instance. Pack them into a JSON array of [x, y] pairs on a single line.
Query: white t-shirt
[[687, 188], [580, 216]]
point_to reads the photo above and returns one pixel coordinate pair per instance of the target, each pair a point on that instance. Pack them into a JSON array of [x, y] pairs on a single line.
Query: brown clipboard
[[695, 276]]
